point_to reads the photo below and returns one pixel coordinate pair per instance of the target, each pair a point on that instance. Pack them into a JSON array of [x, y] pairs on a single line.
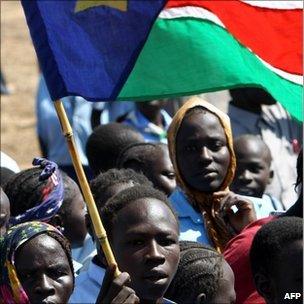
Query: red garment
[[255, 298], [237, 255]]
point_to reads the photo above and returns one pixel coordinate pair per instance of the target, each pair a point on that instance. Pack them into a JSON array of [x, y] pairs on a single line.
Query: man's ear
[[271, 173], [89, 225], [263, 285], [201, 298], [57, 221]]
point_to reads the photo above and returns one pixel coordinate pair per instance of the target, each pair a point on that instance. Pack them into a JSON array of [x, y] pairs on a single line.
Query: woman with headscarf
[[36, 265], [46, 194], [201, 150]]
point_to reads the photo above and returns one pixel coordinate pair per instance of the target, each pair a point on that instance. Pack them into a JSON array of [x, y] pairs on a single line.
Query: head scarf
[[52, 194], [11, 290], [207, 203]]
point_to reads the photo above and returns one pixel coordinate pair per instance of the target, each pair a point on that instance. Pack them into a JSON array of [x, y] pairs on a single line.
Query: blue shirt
[[191, 223], [88, 284], [192, 226], [150, 131], [49, 130]]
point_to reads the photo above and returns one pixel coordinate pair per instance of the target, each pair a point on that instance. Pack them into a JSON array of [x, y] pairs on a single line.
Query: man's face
[[253, 171], [287, 274], [145, 244], [44, 270], [202, 154]]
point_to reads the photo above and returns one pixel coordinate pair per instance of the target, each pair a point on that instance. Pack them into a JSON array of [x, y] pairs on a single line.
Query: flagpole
[[98, 226]]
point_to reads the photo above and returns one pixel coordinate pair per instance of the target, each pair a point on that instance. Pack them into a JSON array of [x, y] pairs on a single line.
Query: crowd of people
[[200, 207]]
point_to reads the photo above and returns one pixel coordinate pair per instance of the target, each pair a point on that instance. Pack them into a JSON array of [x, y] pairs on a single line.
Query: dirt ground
[[18, 63]]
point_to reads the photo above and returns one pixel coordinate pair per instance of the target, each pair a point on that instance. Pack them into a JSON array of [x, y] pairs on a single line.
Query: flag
[[88, 48], [190, 47]]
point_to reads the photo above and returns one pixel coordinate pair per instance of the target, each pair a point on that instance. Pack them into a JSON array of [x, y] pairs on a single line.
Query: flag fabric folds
[[89, 48], [142, 50]]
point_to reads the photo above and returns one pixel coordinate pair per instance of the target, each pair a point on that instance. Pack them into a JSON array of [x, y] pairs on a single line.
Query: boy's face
[[145, 244], [74, 221], [201, 150], [286, 275], [161, 172], [253, 171]]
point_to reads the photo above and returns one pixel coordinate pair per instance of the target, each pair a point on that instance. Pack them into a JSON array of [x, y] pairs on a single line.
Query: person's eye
[[57, 272], [170, 175], [167, 241], [217, 145], [191, 148], [136, 242], [25, 276]]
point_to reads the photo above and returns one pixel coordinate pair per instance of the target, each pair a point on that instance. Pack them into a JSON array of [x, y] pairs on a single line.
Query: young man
[[276, 257], [143, 233], [253, 170]]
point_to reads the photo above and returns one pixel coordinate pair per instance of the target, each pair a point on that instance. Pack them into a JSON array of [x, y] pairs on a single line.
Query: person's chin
[[153, 290]]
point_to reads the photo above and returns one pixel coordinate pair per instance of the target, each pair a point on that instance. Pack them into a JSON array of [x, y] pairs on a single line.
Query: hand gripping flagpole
[[98, 227]]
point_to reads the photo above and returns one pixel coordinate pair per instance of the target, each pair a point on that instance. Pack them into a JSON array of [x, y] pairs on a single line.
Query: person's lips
[[207, 173], [155, 276]]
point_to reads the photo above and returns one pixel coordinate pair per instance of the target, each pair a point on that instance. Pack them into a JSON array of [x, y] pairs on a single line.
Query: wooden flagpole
[[98, 227]]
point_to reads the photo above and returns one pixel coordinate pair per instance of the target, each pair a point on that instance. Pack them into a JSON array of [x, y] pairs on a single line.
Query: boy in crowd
[[276, 257], [143, 233], [253, 170]]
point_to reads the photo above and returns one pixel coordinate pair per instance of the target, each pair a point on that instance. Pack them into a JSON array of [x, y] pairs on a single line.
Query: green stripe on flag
[[188, 56]]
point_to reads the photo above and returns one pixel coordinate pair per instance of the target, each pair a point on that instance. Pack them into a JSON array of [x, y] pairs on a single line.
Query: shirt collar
[[96, 273], [183, 207]]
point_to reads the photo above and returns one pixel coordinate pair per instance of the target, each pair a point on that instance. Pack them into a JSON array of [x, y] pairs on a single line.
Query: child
[[152, 159], [39, 193], [143, 233], [149, 119], [277, 260], [203, 276], [201, 150], [253, 170], [105, 144], [4, 212], [35, 265]]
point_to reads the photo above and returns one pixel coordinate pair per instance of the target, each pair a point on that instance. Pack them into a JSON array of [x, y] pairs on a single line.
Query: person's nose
[[205, 155], [245, 176], [44, 286], [154, 253]]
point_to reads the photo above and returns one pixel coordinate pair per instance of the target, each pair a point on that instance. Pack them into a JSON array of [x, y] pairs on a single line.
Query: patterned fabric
[[11, 290], [208, 204], [52, 194]]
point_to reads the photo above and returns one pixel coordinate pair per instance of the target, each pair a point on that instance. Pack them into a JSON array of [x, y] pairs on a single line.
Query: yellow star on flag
[[82, 5]]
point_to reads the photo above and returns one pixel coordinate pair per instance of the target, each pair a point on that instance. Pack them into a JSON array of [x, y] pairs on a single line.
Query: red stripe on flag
[[274, 35]]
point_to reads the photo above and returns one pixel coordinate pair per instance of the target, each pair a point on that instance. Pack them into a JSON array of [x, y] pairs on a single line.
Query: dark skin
[[151, 110], [225, 292], [44, 271], [71, 217], [4, 212], [286, 275], [203, 159], [144, 240], [158, 169], [253, 171], [251, 99]]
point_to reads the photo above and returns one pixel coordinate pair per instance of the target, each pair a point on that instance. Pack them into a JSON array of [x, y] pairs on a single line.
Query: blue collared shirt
[[191, 223], [150, 131]]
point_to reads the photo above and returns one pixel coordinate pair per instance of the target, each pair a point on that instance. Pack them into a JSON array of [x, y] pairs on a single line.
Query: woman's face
[[44, 270], [201, 150]]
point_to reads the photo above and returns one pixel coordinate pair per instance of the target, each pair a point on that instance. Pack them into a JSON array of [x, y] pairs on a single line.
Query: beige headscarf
[[209, 204]]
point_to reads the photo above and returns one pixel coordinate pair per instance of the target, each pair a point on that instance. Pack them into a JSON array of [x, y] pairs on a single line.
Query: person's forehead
[[146, 210], [201, 121], [251, 149]]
